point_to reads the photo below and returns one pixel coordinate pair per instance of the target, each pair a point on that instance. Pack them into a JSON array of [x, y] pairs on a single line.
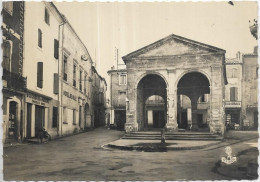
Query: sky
[[107, 26]]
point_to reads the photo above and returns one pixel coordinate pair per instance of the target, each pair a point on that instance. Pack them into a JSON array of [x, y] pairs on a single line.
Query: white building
[[41, 37]]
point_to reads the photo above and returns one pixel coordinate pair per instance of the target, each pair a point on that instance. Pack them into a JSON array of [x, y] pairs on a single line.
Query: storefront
[[40, 113], [233, 114], [12, 116], [252, 116]]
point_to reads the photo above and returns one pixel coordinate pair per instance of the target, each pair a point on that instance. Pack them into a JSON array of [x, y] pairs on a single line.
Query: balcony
[[14, 81]]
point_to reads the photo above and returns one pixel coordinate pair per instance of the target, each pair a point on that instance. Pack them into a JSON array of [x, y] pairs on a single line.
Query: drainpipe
[[60, 66]]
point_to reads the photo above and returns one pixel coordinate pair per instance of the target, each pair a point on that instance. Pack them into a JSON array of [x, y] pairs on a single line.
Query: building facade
[[118, 89], [250, 90], [233, 91], [14, 84], [41, 68], [75, 73], [99, 88], [170, 67]]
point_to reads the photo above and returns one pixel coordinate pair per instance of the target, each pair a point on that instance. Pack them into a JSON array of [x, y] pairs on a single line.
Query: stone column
[[194, 99], [131, 124], [171, 124], [217, 124]]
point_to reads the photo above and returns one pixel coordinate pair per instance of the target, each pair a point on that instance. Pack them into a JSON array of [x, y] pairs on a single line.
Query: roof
[[176, 42]]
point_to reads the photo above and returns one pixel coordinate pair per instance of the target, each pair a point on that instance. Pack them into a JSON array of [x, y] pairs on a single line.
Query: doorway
[[13, 125], [39, 119]]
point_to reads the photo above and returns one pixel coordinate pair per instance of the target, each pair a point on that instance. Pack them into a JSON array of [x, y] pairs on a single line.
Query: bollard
[[163, 136]]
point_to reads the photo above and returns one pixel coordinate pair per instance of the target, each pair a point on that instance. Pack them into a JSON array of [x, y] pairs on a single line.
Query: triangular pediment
[[173, 45]]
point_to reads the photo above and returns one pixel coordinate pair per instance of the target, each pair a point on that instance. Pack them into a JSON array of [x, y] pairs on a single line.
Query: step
[[173, 138], [176, 135]]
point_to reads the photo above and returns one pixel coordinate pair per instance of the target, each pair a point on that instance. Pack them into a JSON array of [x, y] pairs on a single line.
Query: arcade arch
[[150, 85], [193, 85]]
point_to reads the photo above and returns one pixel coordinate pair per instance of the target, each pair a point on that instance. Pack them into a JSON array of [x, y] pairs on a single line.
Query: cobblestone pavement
[[80, 157]]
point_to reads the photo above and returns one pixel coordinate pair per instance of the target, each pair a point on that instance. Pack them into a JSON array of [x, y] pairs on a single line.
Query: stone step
[[172, 133], [174, 138], [187, 136]]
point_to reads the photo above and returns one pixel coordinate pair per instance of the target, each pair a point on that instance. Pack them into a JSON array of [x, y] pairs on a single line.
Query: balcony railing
[[14, 81]]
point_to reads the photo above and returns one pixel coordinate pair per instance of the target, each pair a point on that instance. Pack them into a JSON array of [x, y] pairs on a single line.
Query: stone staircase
[[156, 135]]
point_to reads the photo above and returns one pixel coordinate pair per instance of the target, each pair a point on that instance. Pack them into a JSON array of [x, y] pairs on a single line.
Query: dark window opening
[[65, 62], [39, 38], [56, 49], [40, 74], [47, 16], [55, 117]]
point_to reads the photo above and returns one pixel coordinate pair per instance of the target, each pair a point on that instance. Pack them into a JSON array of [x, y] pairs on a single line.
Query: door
[[158, 119], [200, 120], [29, 120], [12, 125], [39, 119]]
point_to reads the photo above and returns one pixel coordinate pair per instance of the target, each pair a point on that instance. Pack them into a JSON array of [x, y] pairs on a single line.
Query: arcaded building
[[165, 70]]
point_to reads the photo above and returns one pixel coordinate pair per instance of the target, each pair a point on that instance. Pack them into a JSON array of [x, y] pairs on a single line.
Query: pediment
[[173, 45]]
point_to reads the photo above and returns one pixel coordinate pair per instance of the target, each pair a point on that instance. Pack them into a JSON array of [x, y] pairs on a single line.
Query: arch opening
[[151, 102], [193, 107]]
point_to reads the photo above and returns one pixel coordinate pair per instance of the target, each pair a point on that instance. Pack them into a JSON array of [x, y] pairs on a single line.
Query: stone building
[[118, 89], [233, 90], [99, 88], [167, 68], [250, 90], [14, 84]]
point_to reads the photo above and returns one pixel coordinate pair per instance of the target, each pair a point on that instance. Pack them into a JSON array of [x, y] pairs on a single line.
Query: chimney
[[238, 55]]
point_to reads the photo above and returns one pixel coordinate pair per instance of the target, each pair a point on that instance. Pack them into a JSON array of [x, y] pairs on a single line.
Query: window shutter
[[236, 94], [56, 83], [39, 74], [56, 49]]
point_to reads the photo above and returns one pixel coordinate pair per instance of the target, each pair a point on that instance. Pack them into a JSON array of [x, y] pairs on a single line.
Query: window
[[256, 72], [74, 116], [100, 98], [233, 94], [56, 49], [47, 16], [65, 66], [74, 75], [40, 74], [122, 79], [234, 73], [85, 83], [7, 49], [54, 117], [39, 38], [80, 80], [8, 6]]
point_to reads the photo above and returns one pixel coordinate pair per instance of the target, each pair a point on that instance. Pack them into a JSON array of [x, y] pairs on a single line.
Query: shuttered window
[[56, 83], [74, 75], [40, 74], [56, 49], [233, 94], [39, 38], [55, 117], [65, 62]]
